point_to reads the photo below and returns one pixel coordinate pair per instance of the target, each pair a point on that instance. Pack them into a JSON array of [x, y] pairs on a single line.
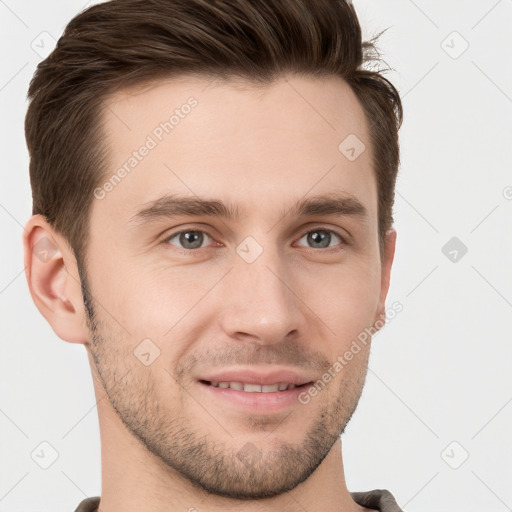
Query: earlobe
[[52, 276]]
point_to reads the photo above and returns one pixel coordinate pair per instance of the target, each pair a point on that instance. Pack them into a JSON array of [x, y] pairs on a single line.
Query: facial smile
[[253, 388], [255, 391]]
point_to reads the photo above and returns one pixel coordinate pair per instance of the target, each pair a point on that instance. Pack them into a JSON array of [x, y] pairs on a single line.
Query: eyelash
[[311, 230]]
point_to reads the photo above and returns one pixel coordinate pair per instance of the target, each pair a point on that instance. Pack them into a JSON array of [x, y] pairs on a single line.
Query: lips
[[268, 391], [254, 388], [254, 381]]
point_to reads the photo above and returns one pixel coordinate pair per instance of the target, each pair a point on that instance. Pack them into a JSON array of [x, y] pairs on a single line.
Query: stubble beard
[[256, 471]]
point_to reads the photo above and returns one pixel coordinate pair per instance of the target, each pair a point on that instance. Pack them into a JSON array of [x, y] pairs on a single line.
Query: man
[[213, 186]]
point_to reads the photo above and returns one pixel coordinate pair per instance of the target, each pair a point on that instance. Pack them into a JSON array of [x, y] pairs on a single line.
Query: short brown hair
[[123, 43]]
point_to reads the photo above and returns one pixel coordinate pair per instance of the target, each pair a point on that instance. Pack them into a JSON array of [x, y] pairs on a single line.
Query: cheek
[[170, 306], [345, 300], [144, 298]]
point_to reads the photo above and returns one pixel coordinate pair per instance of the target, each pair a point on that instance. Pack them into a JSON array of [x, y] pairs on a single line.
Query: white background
[[438, 388]]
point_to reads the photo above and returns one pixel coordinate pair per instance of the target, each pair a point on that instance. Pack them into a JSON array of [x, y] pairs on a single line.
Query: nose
[[261, 301]]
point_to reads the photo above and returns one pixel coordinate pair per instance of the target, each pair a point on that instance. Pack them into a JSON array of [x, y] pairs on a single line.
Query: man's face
[[184, 299]]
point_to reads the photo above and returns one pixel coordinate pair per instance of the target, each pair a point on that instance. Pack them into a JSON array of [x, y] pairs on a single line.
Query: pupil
[[321, 237], [191, 239]]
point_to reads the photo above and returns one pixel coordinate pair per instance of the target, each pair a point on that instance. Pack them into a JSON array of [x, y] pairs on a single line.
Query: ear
[[387, 262], [52, 276]]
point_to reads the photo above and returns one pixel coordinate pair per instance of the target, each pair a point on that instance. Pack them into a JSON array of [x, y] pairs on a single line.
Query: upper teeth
[[253, 388]]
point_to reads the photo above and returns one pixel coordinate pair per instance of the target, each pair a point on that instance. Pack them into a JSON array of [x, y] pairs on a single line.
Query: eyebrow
[[173, 206]]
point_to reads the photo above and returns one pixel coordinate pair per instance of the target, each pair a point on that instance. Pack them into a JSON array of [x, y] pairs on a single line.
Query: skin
[[166, 443]]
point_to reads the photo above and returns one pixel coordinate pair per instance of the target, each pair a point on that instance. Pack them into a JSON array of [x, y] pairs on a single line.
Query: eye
[[194, 239], [322, 238], [191, 239]]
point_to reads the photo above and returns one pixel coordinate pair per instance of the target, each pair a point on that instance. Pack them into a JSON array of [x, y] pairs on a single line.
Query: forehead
[[253, 145]]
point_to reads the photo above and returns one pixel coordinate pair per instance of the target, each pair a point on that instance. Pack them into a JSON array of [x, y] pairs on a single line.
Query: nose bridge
[[259, 301]]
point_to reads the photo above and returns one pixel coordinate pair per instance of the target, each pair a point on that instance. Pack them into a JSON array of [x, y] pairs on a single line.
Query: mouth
[[255, 388], [252, 390]]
